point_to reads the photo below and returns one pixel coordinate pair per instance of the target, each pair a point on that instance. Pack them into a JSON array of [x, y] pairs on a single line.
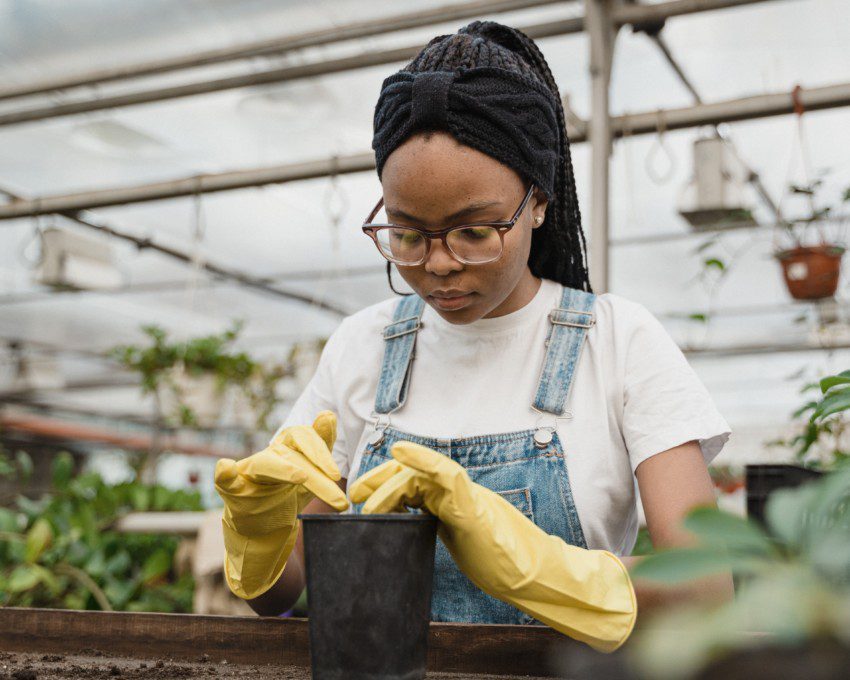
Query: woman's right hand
[[263, 495]]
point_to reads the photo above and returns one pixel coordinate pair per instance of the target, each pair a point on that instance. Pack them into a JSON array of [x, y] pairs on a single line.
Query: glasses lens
[[401, 245], [475, 244]]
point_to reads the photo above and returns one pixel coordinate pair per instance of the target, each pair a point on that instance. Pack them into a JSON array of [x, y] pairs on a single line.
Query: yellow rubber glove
[[586, 594], [263, 495]]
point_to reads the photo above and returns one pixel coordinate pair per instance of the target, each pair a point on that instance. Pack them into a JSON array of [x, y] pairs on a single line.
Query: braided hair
[[558, 248]]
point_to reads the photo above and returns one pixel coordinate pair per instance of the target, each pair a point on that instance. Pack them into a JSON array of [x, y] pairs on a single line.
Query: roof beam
[[746, 108], [280, 45], [623, 15]]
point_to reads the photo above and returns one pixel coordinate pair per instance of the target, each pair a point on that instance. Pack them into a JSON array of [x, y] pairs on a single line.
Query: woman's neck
[[519, 297]]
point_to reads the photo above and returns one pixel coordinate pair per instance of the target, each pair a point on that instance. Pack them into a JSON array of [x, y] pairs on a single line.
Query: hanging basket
[[811, 272], [201, 394]]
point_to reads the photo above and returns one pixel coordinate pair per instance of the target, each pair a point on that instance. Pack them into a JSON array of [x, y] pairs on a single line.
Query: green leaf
[[39, 538], [119, 591], [8, 520], [833, 403], [118, 563], [842, 378], [681, 564], [698, 317], [807, 407], [23, 577], [156, 566], [140, 497], [714, 262], [716, 528], [785, 513], [62, 469], [25, 466], [96, 564]]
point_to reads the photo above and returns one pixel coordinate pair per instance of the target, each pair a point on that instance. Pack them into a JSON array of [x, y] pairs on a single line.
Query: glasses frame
[[371, 229]]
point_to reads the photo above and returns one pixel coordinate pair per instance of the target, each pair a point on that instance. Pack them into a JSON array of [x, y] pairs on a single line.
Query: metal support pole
[[602, 32]]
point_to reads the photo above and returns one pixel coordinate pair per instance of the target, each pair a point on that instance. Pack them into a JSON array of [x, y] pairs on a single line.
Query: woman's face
[[426, 182]]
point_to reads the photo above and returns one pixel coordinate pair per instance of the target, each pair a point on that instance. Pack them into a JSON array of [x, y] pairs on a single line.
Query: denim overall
[[527, 468]]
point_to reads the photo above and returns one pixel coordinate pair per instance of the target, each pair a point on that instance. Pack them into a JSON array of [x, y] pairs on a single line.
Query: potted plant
[[792, 569], [790, 617], [811, 272], [190, 379], [818, 446]]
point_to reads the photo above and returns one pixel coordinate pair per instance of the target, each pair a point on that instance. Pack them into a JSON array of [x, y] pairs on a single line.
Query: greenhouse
[[448, 338]]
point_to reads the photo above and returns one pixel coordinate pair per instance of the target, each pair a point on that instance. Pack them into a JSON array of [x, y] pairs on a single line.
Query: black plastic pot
[[369, 594], [762, 480]]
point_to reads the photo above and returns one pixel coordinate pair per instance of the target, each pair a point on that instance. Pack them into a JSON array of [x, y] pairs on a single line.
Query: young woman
[[503, 396]]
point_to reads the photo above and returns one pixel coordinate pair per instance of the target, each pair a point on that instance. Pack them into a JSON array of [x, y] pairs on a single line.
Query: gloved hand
[[263, 495], [586, 594]]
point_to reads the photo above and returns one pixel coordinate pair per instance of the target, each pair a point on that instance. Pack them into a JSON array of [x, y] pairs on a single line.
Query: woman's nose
[[440, 260]]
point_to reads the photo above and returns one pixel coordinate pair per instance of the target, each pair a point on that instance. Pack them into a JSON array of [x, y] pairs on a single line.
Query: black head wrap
[[506, 115]]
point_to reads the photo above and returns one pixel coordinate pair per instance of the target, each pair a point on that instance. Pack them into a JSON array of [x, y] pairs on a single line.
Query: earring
[[538, 219]]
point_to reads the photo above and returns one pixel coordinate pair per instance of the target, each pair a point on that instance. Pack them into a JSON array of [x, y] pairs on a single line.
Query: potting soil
[[95, 664]]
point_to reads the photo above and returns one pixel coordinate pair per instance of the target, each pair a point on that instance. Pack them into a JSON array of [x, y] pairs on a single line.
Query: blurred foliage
[[793, 572], [643, 543], [794, 580], [820, 442], [58, 551], [158, 361]]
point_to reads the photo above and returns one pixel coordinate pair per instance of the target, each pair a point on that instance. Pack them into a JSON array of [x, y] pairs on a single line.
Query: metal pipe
[[746, 350], [214, 269], [279, 45], [624, 15], [179, 284], [602, 32], [190, 186], [746, 108]]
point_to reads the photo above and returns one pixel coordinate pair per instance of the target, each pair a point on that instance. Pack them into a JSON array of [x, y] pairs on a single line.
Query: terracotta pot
[[811, 272]]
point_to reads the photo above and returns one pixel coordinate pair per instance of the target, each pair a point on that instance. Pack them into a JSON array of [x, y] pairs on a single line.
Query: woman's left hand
[[586, 594]]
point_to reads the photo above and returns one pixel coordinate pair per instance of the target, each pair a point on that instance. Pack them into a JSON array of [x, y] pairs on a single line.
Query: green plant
[[820, 442], [794, 572], [717, 261], [816, 212], [59, 550], [794, 580], [158, 361]]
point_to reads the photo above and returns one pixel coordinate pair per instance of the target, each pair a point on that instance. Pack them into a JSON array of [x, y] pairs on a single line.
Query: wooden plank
[[459, 648]]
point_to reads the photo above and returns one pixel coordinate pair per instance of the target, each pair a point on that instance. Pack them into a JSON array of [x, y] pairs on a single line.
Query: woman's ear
[[538, 209]]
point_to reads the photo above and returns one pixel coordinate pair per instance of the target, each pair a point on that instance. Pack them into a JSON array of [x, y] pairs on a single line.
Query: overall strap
[[399, 340], [569, 324]]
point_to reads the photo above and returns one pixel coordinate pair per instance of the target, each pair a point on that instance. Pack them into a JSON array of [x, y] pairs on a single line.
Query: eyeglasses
[[476, 243]]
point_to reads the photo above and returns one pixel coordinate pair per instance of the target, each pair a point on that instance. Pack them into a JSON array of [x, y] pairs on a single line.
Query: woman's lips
[[451, 303]]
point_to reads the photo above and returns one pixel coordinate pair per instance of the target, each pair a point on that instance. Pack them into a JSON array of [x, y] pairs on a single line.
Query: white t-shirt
[[633, 395]]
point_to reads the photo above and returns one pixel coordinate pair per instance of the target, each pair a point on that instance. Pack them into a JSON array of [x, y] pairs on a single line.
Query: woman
[[532, 403]]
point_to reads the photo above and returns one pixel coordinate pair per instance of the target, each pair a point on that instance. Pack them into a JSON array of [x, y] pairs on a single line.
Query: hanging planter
[[191, 399], [811, 272], [202, 382]]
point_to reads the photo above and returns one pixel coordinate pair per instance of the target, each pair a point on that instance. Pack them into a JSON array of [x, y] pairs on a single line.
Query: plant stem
[[87, 582]]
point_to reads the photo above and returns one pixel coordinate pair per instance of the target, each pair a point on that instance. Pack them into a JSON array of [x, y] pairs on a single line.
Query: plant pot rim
[[799, 250], [385, 517]]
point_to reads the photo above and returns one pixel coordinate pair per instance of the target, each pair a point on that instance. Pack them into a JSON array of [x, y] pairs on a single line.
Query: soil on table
[[94, 664]]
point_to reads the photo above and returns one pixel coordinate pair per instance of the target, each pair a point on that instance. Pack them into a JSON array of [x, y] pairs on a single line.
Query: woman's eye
[[405, 237], [475, 233]]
